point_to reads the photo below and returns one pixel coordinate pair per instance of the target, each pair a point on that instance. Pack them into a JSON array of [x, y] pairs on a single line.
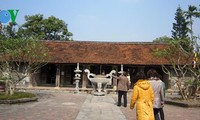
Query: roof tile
[[104, 52]]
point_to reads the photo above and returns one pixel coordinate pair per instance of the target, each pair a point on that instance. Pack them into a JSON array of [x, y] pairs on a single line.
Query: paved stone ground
[[50, 106], [62, 105], [171, 112], [100, 108]]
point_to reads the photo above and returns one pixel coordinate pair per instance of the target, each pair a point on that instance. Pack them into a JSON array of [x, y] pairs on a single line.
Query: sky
[[108, 20]]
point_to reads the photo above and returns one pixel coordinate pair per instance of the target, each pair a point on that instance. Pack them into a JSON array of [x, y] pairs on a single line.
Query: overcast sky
[[108, 20]]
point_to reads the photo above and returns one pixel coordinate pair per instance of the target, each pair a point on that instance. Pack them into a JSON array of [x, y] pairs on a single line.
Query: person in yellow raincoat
[[143, 97]]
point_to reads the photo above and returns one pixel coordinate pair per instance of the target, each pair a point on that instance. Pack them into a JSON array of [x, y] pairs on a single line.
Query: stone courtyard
[[65, 105]]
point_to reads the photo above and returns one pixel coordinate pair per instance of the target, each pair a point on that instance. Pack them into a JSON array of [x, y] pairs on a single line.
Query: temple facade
[[99, 58]]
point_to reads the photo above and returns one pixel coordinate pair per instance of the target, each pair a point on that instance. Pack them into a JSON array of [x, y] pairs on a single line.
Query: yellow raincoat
[[143, 96]]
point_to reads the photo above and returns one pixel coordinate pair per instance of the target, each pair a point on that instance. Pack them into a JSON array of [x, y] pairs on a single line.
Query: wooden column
[[58, 76], [141, 68], [62, 76]]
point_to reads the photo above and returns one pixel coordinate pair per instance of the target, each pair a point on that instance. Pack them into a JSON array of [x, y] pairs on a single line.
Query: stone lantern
[[77, 78]]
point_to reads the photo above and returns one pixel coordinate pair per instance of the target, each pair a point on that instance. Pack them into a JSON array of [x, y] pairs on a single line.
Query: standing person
[[143, 97], [122, 88], [157, 86], [162, 115]]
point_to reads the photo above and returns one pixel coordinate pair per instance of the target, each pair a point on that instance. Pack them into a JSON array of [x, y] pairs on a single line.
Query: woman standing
[[157, 86], [143, 97]]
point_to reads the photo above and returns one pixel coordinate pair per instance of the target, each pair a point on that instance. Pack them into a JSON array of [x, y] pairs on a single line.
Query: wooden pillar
[[58, 76], [62, 76], [141, 68]]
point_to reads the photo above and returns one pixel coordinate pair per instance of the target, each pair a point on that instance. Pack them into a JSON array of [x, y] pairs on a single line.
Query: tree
[[179, 61], [55, 29], [32, 27], [180, 54], [46, 29], [190, 13], [163, 39], [180, 29], [10, 31], [20, 58]]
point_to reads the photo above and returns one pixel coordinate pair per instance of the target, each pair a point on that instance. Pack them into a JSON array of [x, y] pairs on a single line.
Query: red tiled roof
[[104, 52]]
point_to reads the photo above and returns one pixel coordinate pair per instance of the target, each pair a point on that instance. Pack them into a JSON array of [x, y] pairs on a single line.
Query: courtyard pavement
[[65, 105]]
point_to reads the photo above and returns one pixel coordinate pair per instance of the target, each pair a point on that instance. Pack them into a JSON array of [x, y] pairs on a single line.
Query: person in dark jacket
[[122, 88]]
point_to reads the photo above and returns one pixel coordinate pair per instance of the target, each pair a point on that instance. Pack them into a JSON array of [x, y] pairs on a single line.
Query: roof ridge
[[103, 42]]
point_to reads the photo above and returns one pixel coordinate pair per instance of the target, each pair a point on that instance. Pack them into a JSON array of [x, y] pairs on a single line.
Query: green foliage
[[159, 53], [192, 82], [174, 52], [29, 50], [51, 28], [184, 44], [180, 29], [189, 82], [163, 39], [55, 29], [183, 26], [16, 95], [189, 14], [2, 78], [192, 12], [36, 26], [180, 52], [32, 27], [20, 58], [10, 30]]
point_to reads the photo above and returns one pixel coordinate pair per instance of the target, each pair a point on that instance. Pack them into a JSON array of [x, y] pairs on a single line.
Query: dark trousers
[[120, 94], [156, 115], [162, 115], [159, 114]]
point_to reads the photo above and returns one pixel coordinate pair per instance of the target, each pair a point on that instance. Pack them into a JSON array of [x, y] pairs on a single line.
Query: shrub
[[16, 95]]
